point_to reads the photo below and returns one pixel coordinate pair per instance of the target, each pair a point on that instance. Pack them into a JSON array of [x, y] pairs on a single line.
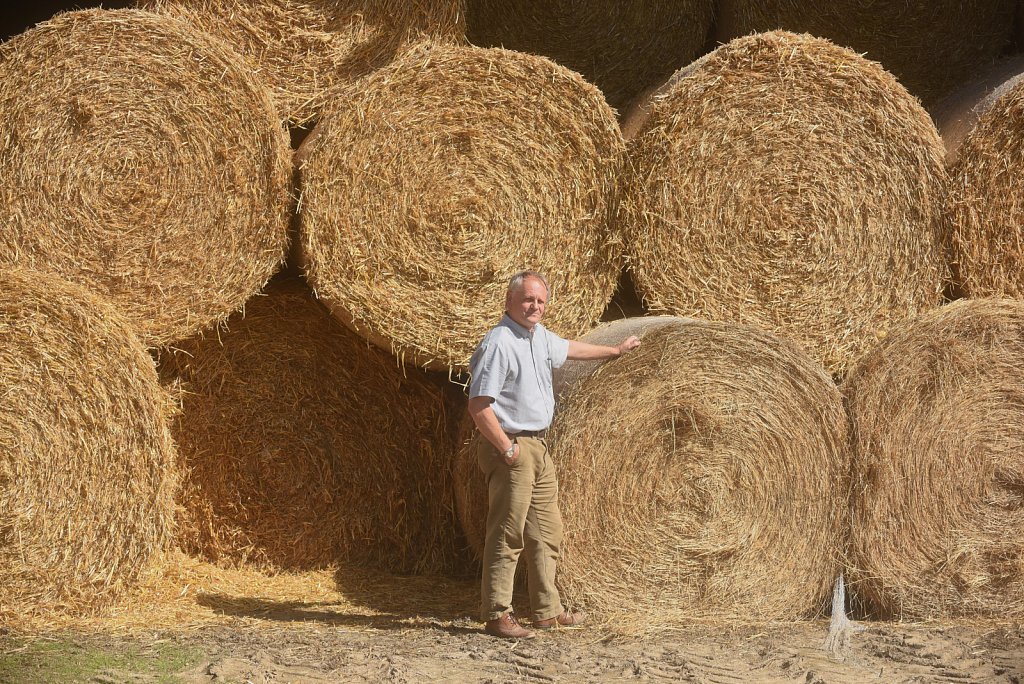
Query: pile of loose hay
[[793, 185], [431, 181], [302, 48], [139, 158], [87, 466], [703, 475], [619, 46], [986, 208], [308, 448], [932, 47], [938, 435]]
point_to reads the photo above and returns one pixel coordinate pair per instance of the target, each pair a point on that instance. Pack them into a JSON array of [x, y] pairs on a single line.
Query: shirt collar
[[519, 330]]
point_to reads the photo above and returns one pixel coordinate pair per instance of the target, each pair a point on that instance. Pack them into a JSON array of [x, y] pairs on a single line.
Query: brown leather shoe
[[507, 627], [566, 619]]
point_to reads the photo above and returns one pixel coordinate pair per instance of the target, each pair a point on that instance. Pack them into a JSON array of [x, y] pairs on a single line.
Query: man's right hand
[[510, 460]]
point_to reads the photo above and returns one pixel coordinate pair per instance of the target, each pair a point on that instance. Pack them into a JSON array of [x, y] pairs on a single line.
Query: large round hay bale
[[931, 47], [789, 184], [141, 159], [619, 46], [938, 434], [703, 475], [432, 181], [302, 48], [308, 448], [87, 466], [986, 207]]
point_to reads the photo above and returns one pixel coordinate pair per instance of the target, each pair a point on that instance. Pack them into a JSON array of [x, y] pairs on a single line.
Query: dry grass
[[139, 158], [792, 185], [620, 47], [302, 48], [87, 465], [938, 505], [432, 181], [931, 47], [307, 448], [986, 208]]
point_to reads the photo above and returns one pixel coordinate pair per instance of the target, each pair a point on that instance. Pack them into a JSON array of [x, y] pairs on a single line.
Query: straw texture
[[931, 47], [985, 203], [302, 48], [87, 465], [789, 184], [308, 448], [432, 181], [938, 504], [704, 474], [619, 46], [140, 159]]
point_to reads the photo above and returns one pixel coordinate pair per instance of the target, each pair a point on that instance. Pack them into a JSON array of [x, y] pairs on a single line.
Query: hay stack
[[87, 467], [789, 184], [938, 434], [430, 182], [308, 448], [931, 47], [986, 207], [620, 47], [702, 475], [302, 48], [140, 159]]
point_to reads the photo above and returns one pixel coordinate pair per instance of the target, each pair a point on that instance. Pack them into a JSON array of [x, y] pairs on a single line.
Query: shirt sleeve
[[487, 368], [558, 347]]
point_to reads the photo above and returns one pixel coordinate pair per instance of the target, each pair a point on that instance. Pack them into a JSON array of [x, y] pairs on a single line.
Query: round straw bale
[[938, 452], [433, 180], [306, 447], [986, 207], [790, 184], [301, 48], [620, 47], [87, 465], [703, 475], [141, 160], [931, 47]]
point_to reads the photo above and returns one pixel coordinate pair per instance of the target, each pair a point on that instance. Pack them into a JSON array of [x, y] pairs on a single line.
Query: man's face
[[525, 305]]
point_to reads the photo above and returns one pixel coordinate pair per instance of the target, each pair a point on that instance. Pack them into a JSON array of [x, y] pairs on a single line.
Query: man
[[512, 402]]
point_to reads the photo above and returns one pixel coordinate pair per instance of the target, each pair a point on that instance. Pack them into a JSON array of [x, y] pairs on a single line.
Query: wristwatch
[[510, 452]]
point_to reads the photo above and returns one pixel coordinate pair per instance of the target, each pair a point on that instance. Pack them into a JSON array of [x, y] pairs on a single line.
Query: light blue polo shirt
[[513, 367]]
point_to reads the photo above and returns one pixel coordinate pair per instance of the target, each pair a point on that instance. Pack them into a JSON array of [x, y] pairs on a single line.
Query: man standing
[[512, 401]]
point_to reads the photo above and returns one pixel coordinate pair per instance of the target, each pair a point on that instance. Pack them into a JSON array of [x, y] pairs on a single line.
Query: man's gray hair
[[518, 279]]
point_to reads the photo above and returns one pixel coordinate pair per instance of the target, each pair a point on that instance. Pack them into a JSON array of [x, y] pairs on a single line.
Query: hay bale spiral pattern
[[938, 505], [139, 158], [302, 48], [985, 202], [432, 181], [87, 465], [789, 184], [931, 47], [307, 448], [620, 47]]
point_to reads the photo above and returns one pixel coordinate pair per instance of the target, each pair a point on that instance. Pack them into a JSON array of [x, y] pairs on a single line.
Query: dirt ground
[[243, 627]]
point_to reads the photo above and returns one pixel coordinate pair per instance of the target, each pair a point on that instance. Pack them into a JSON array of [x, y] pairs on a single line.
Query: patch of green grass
[[69, 660]]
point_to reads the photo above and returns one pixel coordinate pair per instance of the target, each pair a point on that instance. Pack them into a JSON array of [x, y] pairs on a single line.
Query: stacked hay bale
[[141, 159], [87, 465], [985, 206], [707, 473], [433, 180], [932, 47], [938, 510], [790, 184], [306, 448], [620, 47], [304, 47]]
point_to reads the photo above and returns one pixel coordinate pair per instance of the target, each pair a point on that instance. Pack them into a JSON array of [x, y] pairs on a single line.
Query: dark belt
[[539, 434]]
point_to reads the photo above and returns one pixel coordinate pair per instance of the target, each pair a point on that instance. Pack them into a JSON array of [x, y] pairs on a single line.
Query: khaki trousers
[[522, 514]]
